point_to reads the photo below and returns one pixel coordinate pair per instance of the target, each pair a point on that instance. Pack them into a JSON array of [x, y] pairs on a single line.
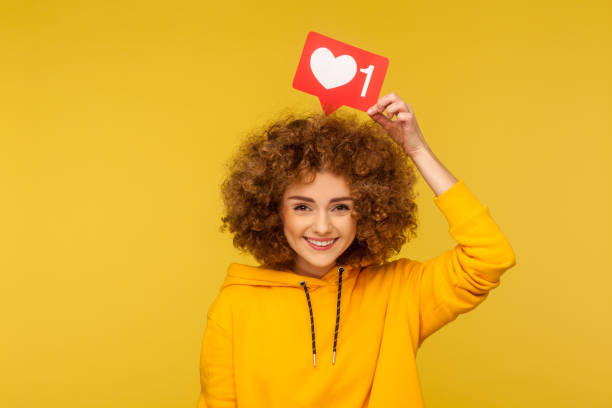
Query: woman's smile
[[321, 245]]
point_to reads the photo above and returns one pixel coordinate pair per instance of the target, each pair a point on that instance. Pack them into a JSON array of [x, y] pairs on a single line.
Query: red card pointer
[[339, 74]]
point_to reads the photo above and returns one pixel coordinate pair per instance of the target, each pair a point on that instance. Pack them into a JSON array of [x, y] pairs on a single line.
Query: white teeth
[[320, 243]]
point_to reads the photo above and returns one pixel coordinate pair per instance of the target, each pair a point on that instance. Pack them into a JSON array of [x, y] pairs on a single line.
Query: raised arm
[[462, 277]]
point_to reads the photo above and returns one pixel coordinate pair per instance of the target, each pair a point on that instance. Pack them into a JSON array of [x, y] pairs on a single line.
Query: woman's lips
[[321, 248]]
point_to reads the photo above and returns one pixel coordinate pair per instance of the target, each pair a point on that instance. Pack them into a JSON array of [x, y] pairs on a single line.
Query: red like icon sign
[[339, 74]]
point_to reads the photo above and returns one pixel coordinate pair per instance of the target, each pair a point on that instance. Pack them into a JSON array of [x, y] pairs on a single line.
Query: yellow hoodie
[[271, 335]]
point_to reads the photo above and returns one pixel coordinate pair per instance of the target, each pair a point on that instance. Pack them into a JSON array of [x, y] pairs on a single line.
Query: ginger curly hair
[[293, 148]]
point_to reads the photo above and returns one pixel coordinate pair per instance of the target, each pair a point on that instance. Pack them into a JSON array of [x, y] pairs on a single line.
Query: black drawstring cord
[[314, 348], [312, 330], [341, 269]]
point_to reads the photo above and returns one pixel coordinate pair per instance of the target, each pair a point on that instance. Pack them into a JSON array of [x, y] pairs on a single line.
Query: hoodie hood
[[240, 274]]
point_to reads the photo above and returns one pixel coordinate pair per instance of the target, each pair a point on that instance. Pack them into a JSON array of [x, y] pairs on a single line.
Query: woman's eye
[[302, 207]]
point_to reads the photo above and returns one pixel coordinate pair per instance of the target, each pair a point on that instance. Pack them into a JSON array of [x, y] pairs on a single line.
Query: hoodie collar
[[240, 274]]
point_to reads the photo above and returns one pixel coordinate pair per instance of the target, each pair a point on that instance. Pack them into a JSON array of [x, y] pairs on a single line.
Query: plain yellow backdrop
[[116, 119]]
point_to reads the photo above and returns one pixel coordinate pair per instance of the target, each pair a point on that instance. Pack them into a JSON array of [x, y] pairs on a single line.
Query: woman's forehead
[[326, 185]]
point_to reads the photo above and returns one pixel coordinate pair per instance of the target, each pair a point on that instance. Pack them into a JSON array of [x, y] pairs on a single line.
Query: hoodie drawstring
[[312, 330]]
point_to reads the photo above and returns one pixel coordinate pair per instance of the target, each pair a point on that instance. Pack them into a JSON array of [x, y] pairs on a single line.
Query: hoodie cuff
[[458, 204]]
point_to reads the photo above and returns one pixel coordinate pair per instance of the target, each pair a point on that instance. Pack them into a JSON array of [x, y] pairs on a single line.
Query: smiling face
[[317, 222]]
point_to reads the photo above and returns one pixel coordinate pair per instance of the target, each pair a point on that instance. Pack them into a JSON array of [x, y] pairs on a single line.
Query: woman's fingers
[[389, 98], [385, 122], [395, 108], [380, 105], [404, 116], [384, 102]]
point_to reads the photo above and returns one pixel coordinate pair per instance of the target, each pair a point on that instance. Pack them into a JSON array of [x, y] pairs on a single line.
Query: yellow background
[[116, 118]]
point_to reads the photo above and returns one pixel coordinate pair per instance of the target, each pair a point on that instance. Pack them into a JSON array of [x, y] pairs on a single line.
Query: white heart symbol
[[332, 72]]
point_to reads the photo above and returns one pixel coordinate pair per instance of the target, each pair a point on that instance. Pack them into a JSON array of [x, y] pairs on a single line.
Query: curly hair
[[292, 149]]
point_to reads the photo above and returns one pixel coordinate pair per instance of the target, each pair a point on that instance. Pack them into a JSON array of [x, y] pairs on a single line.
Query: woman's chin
[[318, 265]]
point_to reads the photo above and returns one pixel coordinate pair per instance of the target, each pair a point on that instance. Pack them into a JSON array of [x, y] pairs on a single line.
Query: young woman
[[322, 202]]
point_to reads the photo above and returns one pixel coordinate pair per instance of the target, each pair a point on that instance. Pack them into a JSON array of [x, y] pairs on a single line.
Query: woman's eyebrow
[[333, 200]]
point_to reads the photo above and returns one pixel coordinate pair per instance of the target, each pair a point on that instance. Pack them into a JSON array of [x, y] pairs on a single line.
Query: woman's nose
[[322, 223]]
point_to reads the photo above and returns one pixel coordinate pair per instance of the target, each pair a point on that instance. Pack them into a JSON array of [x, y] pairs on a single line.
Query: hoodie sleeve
[[459, 279], [216, 361]]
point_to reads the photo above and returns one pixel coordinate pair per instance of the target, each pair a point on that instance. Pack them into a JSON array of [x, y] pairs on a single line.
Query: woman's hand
[[404, 130]]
